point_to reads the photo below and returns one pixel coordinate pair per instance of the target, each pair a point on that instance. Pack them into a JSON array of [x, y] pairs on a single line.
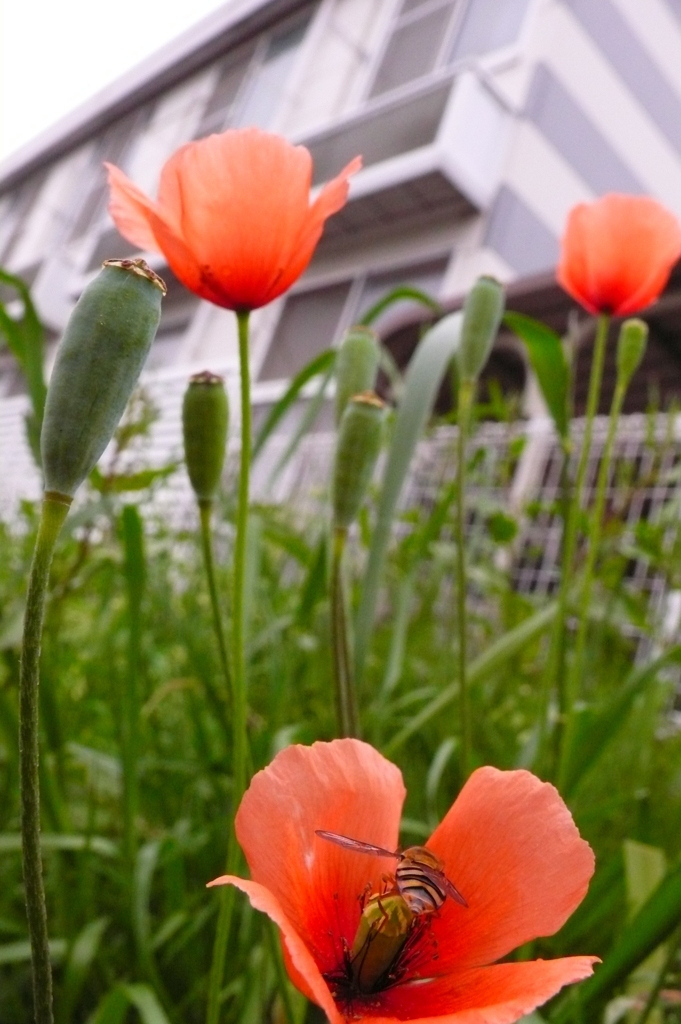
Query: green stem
[[466, 390], [594, 543], [672, 950], [239, 676], [557, 651], [205, 513], [132, 529], [571, 528], [346, 701], [280, 971], [54, 511]]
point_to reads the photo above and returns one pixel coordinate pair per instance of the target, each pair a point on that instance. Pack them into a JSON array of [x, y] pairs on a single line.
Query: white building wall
[[570, 118]]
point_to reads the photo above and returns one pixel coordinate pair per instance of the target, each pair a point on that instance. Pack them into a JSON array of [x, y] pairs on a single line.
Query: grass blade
[[26, 340], [497, 654], [655, 921], [400, 294], [595, 729], [80, 960], [321, 364], [545, 352], [422, 381], [146, 1003]]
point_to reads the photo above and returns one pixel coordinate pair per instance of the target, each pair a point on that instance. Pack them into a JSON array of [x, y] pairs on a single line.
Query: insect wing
[[355, 844], [450, 889]]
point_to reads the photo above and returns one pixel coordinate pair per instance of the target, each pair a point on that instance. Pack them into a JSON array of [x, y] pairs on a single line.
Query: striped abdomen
[[420, 880]]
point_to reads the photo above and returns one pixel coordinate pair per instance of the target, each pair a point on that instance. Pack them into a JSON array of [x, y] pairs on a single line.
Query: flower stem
[[54, 511], [239, 676], [557, 652], [594, 543], [571, 529], [346, 700], [205, 514], [466, 390]]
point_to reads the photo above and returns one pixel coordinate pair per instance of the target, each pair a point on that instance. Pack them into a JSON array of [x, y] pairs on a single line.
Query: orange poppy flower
[[617, 253], [508, 844], [233, 216]]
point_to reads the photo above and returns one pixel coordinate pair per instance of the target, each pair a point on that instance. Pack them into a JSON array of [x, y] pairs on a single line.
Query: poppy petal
[[300, 964], [129, 209], [239, 198], [330, 200], [143, 223], [510, 846], [345, 787], [617, 253], [499, 994], [233, 216]]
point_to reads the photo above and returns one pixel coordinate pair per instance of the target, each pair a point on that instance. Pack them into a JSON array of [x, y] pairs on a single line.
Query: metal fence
[[515, 469]]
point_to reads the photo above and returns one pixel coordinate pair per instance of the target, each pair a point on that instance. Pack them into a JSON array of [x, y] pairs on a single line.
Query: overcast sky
[[54, 54]]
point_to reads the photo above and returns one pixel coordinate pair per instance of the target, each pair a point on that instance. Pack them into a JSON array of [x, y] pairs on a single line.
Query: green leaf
[[114, 1006], [26, 340], [321, 364], [145, 866], [134, 565], [597, 727], [121, 482], [20, 952], [10, 842], [112, 1009], [11, 631], [422, 381], [656, 920], [399, 294], [503, 528], [644, 868], [494, 658], [80, 960], [311, 413], [545, 352], [146, 1003]]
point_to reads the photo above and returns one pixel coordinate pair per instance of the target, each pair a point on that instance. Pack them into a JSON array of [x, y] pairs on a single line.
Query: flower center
[[383, 930], [387, 946]]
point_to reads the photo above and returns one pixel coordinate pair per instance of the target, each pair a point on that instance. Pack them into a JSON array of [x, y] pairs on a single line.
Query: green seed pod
[[631, 346], [205, 418], [359, 442], [99, 360], [482, 313], [356, 366]]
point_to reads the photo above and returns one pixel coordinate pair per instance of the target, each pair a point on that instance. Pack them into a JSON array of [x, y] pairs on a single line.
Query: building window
[[177, 312], [263, 91], [15, 214], [249, 86], [415, 43], [232, 71], [313, 320], [488, 25], [309, 323], [430, 34], [113, 146]]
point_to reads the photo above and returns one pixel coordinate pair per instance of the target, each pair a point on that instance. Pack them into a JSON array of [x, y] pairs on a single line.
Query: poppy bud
[[631, 346], [359, 442], [482, 313], [205, 417], [98, 362], [356, 366]]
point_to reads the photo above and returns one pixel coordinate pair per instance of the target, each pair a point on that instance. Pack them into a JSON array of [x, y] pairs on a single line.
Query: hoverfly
[[419, 875]]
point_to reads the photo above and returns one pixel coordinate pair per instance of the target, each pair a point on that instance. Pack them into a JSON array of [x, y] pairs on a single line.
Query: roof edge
[[181, 57]]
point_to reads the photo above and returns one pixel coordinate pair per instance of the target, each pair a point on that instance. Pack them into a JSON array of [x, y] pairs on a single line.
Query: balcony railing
[[434, 150]]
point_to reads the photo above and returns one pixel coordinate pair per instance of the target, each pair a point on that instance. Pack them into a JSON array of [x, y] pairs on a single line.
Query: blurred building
[[481, 122]]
